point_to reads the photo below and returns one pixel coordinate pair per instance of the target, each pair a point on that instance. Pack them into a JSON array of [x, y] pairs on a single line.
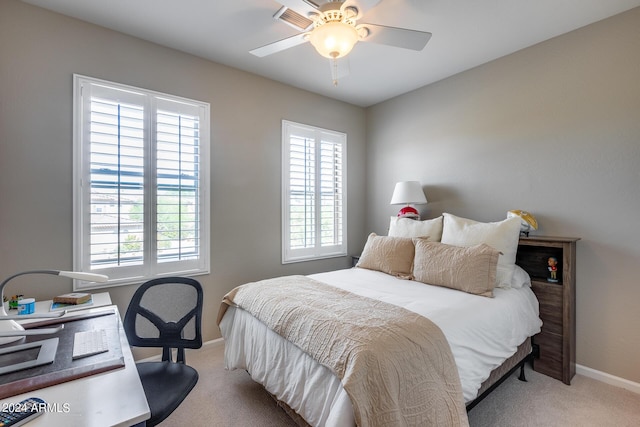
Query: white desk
[[113, 398]]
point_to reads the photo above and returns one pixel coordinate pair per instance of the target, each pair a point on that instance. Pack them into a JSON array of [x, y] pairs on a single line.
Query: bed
[[487, 327]]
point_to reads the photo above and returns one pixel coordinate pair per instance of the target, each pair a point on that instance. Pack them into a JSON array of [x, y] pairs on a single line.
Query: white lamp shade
[[81, 275], [408, 192]]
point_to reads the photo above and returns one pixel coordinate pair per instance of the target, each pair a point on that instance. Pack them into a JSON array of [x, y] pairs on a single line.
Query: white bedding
[[482, 332]]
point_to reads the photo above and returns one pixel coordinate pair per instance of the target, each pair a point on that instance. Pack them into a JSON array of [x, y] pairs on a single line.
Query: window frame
[[150, 267], [316, 252]]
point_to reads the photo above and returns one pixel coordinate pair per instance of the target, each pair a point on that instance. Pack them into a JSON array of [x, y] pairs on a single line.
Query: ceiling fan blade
[[301, 6], [278, 46], [399, 37]]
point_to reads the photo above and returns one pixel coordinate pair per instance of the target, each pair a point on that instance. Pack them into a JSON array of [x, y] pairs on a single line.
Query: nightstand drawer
[[551, 303], [550, 361]]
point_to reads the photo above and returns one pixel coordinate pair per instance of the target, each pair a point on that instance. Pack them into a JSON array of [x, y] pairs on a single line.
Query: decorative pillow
[[470, 269], [502, 235], [520, 278], [406, 227], [391, 255]]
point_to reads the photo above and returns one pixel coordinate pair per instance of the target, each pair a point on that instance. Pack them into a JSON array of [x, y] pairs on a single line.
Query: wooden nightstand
[[557, 340]]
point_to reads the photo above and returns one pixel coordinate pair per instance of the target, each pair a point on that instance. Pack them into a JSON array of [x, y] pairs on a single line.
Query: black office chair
[[166, 313]]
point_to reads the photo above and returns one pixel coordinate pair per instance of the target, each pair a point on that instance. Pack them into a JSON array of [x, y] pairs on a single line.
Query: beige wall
[[553, 129], [39, 52]]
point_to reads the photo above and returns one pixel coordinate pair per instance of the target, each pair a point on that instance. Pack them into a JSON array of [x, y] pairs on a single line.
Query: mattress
[[482, 333]]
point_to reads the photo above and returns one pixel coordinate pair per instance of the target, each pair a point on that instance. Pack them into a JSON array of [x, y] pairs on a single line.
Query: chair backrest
[[166, 313]]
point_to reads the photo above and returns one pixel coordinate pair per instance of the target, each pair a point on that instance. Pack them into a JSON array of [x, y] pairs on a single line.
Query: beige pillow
[[502, 235], [391, 255], [470, 269], [407, 227]]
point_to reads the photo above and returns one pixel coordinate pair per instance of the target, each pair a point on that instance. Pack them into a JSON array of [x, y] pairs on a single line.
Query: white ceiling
[[466, 33]]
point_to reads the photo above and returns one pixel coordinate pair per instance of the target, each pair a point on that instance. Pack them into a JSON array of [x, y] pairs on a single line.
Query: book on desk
[[72, 298], [57, 306]]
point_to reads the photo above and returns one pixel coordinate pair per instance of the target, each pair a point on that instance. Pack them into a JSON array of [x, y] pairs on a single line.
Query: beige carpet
[[231, 398]]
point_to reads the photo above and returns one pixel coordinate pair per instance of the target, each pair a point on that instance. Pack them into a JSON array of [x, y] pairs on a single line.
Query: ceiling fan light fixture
[[334, 39]]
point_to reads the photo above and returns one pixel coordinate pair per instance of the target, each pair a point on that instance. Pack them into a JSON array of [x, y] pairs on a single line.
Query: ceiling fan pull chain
[[334, 70]]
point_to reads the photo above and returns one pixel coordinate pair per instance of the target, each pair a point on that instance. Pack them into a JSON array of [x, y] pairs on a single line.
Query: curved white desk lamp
[[11, 331]]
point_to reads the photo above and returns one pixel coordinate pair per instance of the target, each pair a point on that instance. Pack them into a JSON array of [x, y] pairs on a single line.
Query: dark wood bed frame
[[525, 353]]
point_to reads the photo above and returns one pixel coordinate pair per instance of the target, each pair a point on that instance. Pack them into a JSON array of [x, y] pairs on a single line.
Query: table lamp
[[408, 193], [11, 331]]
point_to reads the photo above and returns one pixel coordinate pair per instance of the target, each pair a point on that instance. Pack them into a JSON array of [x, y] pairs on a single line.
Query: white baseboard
[[213, 343], [608, 378]]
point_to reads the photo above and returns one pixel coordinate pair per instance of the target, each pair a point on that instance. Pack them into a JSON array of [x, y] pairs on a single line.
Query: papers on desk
[[55, 306]]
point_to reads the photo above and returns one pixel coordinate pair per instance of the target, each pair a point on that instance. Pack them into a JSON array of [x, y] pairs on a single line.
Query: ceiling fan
[[332, 28]]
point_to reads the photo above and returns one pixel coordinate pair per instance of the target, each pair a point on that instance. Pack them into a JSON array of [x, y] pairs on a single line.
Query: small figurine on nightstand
[[553, 269]]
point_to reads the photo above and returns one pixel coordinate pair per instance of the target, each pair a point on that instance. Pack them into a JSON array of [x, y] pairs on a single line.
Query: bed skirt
[[498, 374]]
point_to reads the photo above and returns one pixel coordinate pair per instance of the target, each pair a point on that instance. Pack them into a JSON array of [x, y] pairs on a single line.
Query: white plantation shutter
[[116, 176], [178, 189], [331, 193], [313, 197], [140, 171]]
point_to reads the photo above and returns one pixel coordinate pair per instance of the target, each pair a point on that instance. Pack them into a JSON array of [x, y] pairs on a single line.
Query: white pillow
[[520, 278], [503, 236], [406, 227]]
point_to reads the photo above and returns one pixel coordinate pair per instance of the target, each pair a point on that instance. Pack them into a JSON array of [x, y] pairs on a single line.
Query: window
[[314, 193], [141, 168]]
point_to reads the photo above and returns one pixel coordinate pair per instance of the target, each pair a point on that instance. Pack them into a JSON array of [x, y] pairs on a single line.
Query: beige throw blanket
[[395, 365]]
